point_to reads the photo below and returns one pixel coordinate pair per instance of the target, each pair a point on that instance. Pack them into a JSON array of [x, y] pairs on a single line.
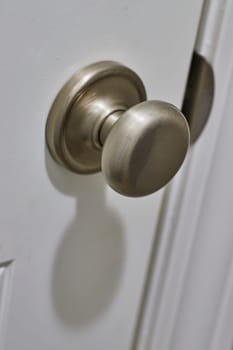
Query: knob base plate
[[80, 109]]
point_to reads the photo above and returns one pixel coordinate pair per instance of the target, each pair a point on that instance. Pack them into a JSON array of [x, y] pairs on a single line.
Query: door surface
[[73, 253]]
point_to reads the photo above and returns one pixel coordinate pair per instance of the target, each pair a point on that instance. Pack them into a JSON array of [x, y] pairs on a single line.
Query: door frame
[[183, 203]]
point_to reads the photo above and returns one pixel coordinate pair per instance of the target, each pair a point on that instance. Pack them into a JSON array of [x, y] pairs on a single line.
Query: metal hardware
[[199, 95], [101, 120]]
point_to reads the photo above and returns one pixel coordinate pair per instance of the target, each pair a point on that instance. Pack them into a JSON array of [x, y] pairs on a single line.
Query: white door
[[73, 253]]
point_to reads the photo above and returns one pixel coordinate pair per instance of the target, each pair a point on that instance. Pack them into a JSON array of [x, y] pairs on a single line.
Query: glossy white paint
[[80, 250]]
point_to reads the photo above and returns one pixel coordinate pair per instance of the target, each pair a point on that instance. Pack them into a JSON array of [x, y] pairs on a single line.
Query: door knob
[[100, 120]]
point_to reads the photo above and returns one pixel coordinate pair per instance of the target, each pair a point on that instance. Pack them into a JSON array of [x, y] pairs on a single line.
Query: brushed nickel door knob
[[100, 120]]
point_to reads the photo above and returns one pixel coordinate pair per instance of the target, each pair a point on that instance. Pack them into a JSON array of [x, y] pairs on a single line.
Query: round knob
[[145, 148], [101, 120]]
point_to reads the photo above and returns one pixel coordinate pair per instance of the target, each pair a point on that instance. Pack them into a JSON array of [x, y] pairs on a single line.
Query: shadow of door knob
[[101, 120]]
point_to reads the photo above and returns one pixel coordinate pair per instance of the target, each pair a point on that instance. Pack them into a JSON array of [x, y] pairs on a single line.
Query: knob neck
[[107, 125]]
